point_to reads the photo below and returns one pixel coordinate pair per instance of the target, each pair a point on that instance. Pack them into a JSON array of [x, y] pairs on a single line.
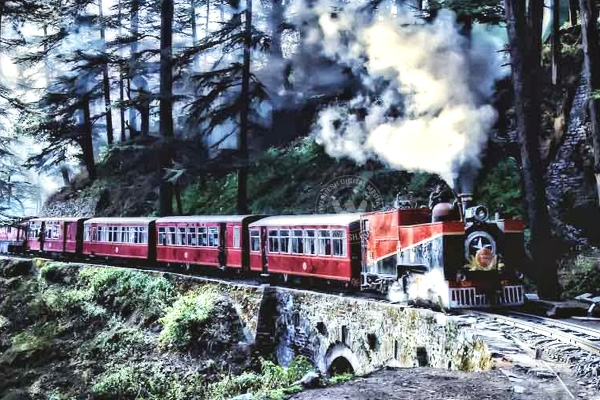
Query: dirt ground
[[433, 384]]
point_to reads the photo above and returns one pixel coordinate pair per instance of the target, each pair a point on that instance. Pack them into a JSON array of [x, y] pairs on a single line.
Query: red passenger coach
[[12, 237], [55, 235], [120, 237], [212, 240], [325, 246]]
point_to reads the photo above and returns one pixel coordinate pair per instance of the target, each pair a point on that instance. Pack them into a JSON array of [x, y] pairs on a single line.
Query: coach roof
[[121, 221], [203, 218], [309, 220]]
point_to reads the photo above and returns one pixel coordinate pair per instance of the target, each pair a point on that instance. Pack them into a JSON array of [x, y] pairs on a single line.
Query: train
[[452, 253]]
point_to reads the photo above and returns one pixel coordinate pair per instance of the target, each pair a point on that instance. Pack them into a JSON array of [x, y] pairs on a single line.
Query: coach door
[[263, 250], [222, 245], [42, 235], [65, 235]]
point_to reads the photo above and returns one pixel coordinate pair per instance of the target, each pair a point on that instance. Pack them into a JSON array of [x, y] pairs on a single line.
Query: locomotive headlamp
[[477, 213]]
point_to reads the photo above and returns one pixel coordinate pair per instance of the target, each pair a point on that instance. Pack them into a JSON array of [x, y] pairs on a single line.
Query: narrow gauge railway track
[[575, 335], [209, 275]]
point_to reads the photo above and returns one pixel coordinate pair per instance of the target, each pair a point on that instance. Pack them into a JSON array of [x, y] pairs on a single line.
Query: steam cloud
[[425, 88], [430, 287]]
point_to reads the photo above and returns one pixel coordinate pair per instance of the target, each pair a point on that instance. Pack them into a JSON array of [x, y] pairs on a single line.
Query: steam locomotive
[[454, 254]]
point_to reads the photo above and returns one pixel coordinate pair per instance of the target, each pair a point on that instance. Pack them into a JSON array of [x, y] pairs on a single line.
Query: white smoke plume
[[430, 287], [424, 107]]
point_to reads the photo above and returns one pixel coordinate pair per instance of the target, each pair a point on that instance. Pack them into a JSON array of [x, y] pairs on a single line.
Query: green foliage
[[340, 378], [129, 290], [580, 274], [118, 339], [36, 337], [484, 11], [274, 381], [185, 316], [63, 301], [500, 189], [148, 380]]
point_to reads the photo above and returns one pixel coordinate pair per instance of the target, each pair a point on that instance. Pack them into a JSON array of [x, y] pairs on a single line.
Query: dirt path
[[432, 384]]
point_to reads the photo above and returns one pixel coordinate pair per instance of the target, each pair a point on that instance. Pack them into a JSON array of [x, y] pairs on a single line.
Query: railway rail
[[587, 339]]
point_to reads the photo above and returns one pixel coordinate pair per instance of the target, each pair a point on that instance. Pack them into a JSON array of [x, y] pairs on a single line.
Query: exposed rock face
[[570, 181], [73, 206]]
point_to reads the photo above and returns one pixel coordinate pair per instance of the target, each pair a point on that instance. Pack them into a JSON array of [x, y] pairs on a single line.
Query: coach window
[[324, 243], [181, 238], [192, 239], [284, 240], [124, 234], [274, 241], [309, 242], [171, 236], [111, 230], [144, 234], [213, 236], [100, 233], [338, 242], [236, 237], [88, 233], [254, 240], [162, 236], [202, 237], [297, 245]]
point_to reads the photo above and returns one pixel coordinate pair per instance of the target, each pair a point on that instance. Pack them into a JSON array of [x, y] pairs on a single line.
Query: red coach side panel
[[320, 246], [120, 237], [211, 240]]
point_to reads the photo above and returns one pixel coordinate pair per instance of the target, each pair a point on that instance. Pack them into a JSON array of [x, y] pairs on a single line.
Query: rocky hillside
[[68, 331]]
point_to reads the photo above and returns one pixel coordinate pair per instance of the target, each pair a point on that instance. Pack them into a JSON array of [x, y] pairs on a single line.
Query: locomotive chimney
[[466, 201]]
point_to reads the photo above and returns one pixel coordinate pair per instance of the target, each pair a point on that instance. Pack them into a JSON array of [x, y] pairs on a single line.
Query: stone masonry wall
[[369, 334]]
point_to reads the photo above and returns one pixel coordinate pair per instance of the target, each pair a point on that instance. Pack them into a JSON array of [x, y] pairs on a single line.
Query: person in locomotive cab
[[443, 204]]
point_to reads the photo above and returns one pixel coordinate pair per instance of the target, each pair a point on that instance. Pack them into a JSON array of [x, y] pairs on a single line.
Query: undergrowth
[[185, 316], [272, 382]]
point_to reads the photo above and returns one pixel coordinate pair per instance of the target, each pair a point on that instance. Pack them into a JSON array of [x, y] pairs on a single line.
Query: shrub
[[274, 381], [129, 290], [118, 340], [185, 316], [148, 380], [581, 275], [36, 337], [500, 189], [340, 378]]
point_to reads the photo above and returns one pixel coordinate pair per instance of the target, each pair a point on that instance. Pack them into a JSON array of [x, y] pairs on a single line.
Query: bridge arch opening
[[340, 365], [340, 359]]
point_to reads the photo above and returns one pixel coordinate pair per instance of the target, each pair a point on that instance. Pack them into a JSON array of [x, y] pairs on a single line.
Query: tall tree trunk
[[106, 80], [87, 143], [573, 12], [555, 42], [591, 57], [1, 17], [144, 100], [194, 33], [242, 206], [64, 171], [166, 103], [276, 21], [207, 27], [133, 61], [525, 51], [121, 85]]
